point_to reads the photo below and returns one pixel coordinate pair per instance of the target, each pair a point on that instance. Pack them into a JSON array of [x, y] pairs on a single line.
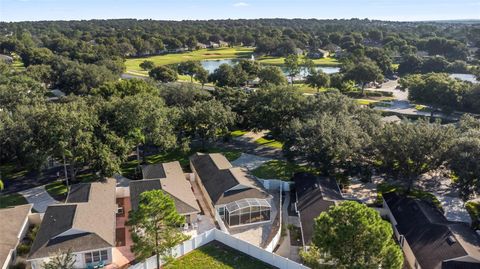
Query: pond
[[211, 65], [465, 77]]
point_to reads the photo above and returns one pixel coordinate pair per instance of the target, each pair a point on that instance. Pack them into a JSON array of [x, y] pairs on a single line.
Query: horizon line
[[224, 19]]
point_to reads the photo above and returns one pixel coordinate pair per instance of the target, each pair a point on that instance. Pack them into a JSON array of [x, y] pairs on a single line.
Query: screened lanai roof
[[246, 203]]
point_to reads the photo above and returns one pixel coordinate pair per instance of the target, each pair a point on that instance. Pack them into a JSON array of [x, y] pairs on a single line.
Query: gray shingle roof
[[79, 193], [92, 221], [11, 223], [314, 196], [170, 178], [430, 234], [218, 176], [153, 171]]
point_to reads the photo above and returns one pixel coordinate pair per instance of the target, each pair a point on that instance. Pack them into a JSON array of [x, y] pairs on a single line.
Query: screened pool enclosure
[[246, 211]]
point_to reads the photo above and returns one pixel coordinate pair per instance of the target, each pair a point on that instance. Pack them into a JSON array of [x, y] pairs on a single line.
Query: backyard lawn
[[57, 190], [238, 133], [11, 200], [133, 67], [216, 256], [128, 168], [281, 170]]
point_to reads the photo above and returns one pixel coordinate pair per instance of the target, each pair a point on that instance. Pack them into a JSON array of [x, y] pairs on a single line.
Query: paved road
[[39, 197], [32, 180]]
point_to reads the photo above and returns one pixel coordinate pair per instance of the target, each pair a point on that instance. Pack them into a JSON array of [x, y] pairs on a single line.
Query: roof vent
[[451, 240]]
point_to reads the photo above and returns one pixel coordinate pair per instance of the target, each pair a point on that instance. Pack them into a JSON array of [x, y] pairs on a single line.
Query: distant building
[[428, 239], [7, 59], [213, 45], [201, 45], [332, 48], [390, 119], [14, 224], [223, 43], [422, 53], [314, 195], [298, 51], [318, 54]]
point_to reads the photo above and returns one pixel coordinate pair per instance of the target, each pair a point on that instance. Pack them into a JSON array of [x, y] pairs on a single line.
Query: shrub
[[473, 209], [23, 249], [18, 265]]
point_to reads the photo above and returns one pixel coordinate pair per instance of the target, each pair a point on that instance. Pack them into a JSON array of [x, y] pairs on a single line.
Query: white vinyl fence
[[235, 243]]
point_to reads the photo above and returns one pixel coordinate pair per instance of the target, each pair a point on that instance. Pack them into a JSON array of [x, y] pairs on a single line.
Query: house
[[332, 48], [314, 195], [201, 46], [213, 45], [390, 119], [84, 224], [229, 192], [318, 54], [298, 51], [14, 223], [422, 53], [5, 58], [222, 44], [428, 239], [170, 178]]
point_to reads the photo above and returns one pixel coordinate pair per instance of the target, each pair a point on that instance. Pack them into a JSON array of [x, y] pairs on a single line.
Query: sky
[[394, 10]]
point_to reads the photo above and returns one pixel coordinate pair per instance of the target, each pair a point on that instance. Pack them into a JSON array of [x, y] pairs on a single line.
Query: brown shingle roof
[[218, 177], [93, 221], [11, 223], [170, 178]]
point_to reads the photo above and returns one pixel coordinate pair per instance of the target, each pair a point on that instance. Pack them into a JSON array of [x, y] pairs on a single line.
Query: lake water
[[465, 77], [211, 65]]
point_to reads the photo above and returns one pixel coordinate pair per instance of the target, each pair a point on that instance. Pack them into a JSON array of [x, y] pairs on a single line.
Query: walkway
[[39, 197], [250, 161], [286, 249]]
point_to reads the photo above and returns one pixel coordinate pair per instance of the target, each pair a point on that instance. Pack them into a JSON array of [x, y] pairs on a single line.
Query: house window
[[96, 256]]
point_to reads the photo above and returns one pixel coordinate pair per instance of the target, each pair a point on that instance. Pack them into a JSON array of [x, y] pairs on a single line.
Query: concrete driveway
[[39, 197], [250, 161]]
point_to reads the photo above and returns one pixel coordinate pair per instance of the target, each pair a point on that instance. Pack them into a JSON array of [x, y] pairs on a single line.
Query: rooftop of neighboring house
[[314, 195], [85, 222], [432, 238], [12, 221], [218, 177], [170, 178]]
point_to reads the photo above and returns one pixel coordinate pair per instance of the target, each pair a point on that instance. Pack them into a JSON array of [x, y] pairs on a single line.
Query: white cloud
[[241, 4]]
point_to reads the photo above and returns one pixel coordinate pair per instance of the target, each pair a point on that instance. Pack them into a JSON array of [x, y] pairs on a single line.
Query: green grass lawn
[[57, 190], [11, 200], [281, 170], [216, 256], [11, 171], [133, 67], [269, 143], [270, 60], [238, 133], [366, 102], [415, 193], [128, 168]]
